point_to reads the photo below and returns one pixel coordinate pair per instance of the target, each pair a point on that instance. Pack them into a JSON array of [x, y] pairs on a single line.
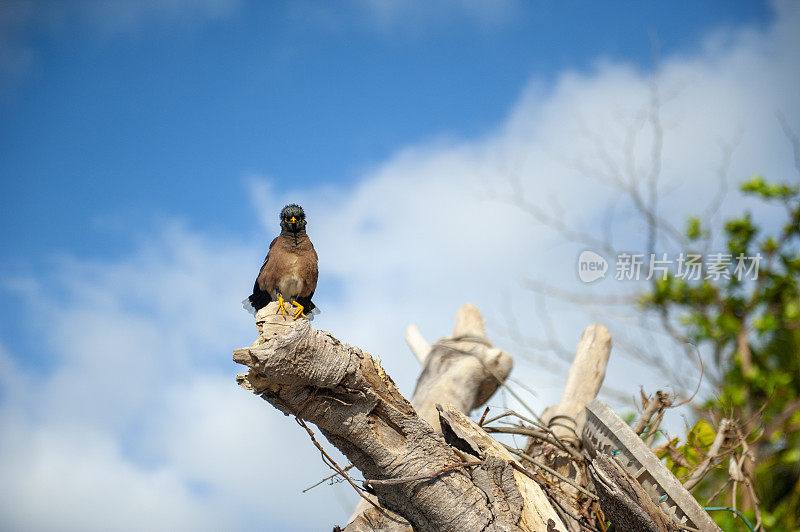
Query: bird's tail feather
[[248, 306]]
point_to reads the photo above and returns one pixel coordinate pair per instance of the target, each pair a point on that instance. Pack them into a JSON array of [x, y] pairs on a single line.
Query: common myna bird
[[290, 271]]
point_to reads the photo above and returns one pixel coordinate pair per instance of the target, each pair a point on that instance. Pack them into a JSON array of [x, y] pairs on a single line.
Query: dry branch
[[464, 369], [560, 448], [713, 451], [652, 406], [345, 392], [583, 382], [466, 435]]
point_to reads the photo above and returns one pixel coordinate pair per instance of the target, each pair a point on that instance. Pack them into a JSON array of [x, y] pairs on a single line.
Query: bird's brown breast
[[291, 268]]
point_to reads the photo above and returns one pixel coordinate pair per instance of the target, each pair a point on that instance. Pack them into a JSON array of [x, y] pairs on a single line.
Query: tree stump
[[342, 390]]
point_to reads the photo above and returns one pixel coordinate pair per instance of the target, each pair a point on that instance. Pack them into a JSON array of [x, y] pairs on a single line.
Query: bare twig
[[330, 462], [483, 416], [538, 434], [793, 139], [719, 490], [652, 430], [336, 474], [651, 408], [748, 481], [699, 381], [549, 470]]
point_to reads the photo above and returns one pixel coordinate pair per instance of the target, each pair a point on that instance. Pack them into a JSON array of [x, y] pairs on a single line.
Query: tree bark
[[347, 394], [466, 435], [465, 370]]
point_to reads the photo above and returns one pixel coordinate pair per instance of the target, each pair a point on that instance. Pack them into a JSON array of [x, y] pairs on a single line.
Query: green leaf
[[765, 323], [693, 228], [701, 435], [791, 456]]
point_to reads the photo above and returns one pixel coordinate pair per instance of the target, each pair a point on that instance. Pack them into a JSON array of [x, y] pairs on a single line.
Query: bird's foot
[[282, 306], [299, 311]]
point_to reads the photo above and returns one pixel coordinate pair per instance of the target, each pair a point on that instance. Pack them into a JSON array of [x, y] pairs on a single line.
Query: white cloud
[[65, 478], [136, 421], [418, 235], [137, 411]]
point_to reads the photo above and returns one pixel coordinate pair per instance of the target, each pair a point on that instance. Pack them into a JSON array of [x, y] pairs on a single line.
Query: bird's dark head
[[293, 219]]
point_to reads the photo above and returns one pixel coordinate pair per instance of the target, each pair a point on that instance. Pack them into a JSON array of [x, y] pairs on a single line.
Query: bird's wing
[[309, 270], [261, 286], [314, 274], [260, 298]]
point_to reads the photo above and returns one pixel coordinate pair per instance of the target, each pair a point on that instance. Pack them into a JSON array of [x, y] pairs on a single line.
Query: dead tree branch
[[310, 374]]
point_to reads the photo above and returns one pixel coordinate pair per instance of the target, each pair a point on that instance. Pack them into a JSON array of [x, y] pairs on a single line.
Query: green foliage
[[682, 458], [629, 417], [753, 329], [757, 185], [694, 230]]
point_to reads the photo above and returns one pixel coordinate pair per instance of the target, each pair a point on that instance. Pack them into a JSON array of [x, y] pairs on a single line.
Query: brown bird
[[290, 271]]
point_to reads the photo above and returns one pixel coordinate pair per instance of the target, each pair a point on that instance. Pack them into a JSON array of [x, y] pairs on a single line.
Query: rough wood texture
[[465, 370], [310, 374], [624, 502], [367, 518], [467, 436]]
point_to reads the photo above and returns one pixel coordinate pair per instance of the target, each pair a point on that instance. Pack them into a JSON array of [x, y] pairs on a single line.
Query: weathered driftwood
[[310, 374], [463, 370]]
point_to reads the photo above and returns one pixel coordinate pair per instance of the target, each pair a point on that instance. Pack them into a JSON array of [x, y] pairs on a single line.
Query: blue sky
[[146, 148], [121, 118], [118, 126]]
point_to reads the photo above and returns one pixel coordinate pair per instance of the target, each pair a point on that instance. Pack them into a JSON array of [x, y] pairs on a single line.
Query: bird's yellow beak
[[293, 220]]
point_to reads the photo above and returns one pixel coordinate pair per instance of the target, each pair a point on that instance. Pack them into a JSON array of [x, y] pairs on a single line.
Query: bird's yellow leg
[[282, 306], [299, 311]]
